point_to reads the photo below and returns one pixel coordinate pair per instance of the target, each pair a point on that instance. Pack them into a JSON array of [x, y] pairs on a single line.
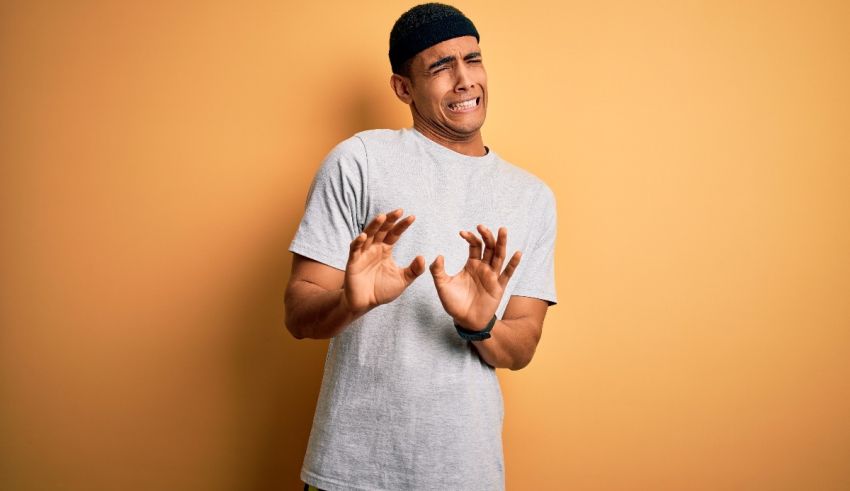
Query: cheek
[[437, 99], [482, 79], [432, 101]]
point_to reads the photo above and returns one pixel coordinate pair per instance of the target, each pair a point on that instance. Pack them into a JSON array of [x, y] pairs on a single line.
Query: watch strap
[[471, 335]]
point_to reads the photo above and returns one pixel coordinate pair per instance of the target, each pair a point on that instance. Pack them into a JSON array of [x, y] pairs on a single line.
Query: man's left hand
[[472, 296]]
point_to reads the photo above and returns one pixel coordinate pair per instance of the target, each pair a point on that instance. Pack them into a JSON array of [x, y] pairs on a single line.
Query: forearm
[[511, 344], [313, 312]]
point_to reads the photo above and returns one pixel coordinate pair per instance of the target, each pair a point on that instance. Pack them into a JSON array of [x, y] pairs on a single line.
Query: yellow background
[[154, 161]]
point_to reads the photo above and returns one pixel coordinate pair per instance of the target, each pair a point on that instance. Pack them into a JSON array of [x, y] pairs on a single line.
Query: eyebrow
[[448, 59]]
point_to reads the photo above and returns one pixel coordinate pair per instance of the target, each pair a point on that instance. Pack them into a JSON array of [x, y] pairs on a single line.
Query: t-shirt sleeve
[[537, 266], [336, 206]]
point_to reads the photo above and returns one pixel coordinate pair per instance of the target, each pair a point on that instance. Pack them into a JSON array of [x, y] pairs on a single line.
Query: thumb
[[437, 270], [416, 268]]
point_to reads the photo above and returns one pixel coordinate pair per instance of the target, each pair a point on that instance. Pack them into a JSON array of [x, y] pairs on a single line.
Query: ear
[[401, 87]]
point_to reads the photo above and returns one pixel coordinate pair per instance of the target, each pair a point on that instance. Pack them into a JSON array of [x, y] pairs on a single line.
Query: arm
[[320, 301], [514, 338], [314, 301]]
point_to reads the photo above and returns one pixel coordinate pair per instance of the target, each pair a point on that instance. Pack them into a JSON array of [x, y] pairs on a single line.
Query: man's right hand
[[372, 277]]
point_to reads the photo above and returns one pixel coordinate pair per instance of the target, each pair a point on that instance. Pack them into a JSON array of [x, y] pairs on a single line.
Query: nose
[[463, 82]]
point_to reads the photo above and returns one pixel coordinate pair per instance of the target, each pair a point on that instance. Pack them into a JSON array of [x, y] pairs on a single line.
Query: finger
[[437, 270], [474, 244], [399, 228], [501, 247], [372, 229], [416, 268], [489, 243], [356, 244], [387, 225], [509, 270]]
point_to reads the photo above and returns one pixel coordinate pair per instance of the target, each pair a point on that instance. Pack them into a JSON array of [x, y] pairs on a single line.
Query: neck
[[472, 146]]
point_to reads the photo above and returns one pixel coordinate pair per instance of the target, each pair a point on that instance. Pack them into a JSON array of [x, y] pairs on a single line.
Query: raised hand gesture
[[472, 296], [372, 277]]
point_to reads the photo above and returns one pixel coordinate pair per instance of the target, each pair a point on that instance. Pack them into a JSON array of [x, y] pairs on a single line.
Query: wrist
[[476, 334], [472, 325], [349, 309]]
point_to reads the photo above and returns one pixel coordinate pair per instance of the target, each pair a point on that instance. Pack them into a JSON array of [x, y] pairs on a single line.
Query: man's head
[[438, 71]]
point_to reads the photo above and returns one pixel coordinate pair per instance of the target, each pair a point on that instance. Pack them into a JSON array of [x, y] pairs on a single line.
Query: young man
[[410, 398]]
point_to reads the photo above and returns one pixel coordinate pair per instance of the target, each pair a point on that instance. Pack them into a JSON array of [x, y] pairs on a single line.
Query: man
[[410, 398]]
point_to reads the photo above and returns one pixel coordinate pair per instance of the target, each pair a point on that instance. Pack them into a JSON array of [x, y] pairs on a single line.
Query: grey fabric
[[405, 403]]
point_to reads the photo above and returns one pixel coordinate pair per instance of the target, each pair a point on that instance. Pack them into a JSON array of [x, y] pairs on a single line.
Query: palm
[[473, 293], [372, 277], [472, 296]]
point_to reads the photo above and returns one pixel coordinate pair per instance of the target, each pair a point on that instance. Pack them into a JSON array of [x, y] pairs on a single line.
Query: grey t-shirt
[[405, 402]]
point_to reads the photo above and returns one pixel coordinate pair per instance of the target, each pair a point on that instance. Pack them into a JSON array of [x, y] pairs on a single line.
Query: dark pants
[[307, 487]]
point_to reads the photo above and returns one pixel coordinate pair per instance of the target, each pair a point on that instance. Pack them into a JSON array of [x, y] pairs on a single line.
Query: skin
[[322, 301], [447, 72]]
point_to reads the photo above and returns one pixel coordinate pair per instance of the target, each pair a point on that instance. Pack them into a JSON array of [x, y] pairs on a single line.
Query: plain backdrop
[[155, 158]]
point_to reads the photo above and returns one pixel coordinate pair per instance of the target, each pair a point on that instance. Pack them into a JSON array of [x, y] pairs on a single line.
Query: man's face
[[449, 88]]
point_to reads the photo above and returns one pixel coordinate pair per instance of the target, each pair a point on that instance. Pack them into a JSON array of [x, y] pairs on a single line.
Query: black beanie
[[424, 26]]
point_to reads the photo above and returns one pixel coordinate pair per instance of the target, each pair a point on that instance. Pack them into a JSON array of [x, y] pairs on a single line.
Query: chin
[[468, 128]]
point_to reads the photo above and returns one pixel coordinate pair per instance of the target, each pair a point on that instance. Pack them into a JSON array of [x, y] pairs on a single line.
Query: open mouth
[[465, 106]]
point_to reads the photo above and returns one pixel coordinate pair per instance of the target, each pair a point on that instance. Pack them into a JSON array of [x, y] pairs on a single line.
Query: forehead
[[458, 47]]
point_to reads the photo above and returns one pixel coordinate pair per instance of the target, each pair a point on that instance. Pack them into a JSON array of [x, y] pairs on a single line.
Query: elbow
[[296, 333], [526, 347], [291, 324], [519, 365], [523, 361]]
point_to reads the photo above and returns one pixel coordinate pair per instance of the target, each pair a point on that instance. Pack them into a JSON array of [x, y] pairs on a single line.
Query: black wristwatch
[[471, 335]]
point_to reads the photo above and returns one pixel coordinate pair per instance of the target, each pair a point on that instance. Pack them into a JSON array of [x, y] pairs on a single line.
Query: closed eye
[[473, 57]]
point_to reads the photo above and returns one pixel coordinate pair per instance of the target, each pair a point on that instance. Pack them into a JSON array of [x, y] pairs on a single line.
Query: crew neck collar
[[449, 152]]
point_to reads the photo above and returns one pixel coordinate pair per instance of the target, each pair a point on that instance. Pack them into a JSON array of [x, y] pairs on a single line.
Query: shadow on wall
[[283, 375], [369, 103]]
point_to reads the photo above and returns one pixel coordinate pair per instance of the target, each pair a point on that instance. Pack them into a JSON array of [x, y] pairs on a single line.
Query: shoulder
[[361, 147], [380, 138], [529, 182], [346, 160], [351, 147]]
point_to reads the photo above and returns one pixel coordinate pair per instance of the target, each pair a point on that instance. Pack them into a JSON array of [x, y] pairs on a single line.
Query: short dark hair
[[422, 27]]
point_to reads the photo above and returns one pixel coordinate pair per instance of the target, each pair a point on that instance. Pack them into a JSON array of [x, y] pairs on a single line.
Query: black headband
[[407, 40]]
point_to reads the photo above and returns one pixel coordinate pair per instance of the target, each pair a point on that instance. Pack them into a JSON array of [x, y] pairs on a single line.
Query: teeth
[[459, 106]]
